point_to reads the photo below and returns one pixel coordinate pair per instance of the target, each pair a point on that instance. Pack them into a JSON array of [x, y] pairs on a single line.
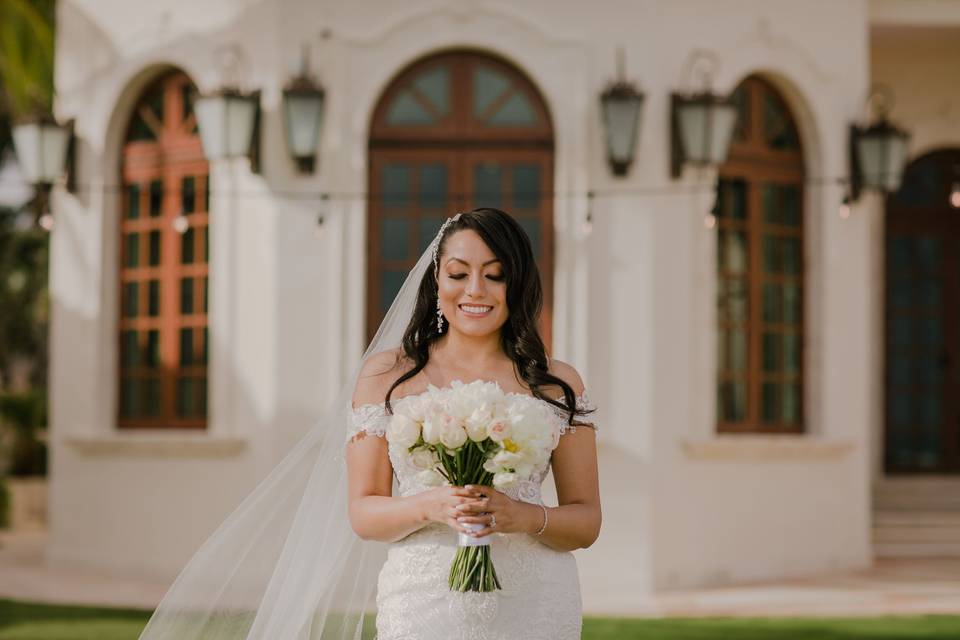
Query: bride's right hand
[[440, 505]]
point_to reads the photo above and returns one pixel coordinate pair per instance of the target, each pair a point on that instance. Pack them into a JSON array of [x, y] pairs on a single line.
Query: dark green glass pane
[[769, 197], [732, 350], [188, 194], [732, 251], [133, 201], [770, 402], [206, 193], [517, 111], [406, 110], [731, 401], [487, 185], [900, 329], [772, 302], [930, 408], [129, 349], [156, 198], [732, 300], [731, 199], [131, 301], [770, 354], [395, 238], [153, 297], [791, 403], [206, 243], [791, 353], [185, 399], [526, 186], [206, 293], [151, 397], [792, 303], [186, 295], [931, 331], [395, 185], [205, 339], [188, 93], [899, 408], [433, 186], [201, 396], [129, 397], [929, 295], [428, 227], [151, 350], [488, 85], [792, 256], [772, 254], [778, 129], [154, 253], [790, 201], [390, 283], [434, 85], [188, 240], [532, 226], [924, 183], [133, 250], [186, 346]]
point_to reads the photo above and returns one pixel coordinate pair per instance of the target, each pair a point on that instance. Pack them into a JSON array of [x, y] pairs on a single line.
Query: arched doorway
[[922, 319], [451, 132], [760, 268], [163, 269]]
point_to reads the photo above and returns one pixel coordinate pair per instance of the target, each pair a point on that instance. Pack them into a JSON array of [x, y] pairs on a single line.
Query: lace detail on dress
[[371, 419], [583, 402]]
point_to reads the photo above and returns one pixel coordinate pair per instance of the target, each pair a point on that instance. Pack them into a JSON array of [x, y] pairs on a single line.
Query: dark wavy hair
[[519, 337]]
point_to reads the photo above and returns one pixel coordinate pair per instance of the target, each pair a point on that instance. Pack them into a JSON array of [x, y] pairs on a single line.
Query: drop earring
[[439, 317]]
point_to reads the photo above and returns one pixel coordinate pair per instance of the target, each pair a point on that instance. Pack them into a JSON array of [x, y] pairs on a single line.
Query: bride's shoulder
[[377, 374], [567, 373]]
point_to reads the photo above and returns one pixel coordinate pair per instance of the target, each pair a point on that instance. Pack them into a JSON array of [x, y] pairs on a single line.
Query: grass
[[25, 621]]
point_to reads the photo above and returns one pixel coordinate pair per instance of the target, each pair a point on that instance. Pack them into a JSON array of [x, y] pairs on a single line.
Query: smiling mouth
[[475, 309]]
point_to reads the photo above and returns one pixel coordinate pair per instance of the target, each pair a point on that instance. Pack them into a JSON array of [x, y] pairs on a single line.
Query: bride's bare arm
[[376, 514]]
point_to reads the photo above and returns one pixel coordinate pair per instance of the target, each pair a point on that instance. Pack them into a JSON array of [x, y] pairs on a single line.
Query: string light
[[46, 222], [318, 229], [181, 224], [845, 207], [587, 227], [955, 195]]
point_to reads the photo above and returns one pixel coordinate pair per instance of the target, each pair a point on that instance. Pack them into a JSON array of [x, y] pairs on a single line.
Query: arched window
[[922, 314], [163, 270], [452, 132], [760, 268]]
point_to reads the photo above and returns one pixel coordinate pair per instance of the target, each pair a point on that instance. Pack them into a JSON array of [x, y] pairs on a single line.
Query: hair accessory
[[544, 527], [438, 239]]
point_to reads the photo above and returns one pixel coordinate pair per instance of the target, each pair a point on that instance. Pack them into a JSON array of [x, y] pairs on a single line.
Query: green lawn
[[23, 621]]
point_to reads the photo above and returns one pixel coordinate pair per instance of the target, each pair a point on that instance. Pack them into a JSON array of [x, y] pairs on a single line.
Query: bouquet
[[473, 433]]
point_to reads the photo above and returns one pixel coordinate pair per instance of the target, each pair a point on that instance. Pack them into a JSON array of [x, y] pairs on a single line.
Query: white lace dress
[[540, 595]]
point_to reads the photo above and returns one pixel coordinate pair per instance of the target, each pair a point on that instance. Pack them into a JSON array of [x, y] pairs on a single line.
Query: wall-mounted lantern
[[303, 102], [42, 147], [701, 122], [621, 103], [227, 119], [878, 152]]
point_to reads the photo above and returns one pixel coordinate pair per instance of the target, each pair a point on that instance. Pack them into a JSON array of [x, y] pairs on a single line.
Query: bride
[[324, 538]]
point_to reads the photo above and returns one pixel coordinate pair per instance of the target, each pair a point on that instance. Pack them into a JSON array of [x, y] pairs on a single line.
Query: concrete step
[[916, 533], [929, 493]]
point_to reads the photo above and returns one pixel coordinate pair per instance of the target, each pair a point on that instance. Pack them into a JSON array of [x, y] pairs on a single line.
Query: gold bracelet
[[544, 527]]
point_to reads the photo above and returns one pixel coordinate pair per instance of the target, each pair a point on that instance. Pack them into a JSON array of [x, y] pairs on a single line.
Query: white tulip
[[432, 427], [504, 479], [404, 432], [423, 458], [430, 478], [453, 435], [477, 423]]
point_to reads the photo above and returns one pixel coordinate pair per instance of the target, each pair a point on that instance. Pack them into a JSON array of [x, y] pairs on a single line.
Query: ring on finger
[[493, 521]]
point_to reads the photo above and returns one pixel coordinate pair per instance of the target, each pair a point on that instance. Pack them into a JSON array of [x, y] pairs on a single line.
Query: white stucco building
[[779, 454]]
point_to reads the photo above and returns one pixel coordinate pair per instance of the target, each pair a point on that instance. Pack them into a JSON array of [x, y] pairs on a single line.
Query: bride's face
[[473, 289]]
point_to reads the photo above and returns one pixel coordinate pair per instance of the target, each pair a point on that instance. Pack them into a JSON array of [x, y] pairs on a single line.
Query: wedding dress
[[540, 595]]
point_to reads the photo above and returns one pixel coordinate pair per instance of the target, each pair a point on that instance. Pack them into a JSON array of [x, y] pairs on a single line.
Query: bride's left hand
[[512, 516]]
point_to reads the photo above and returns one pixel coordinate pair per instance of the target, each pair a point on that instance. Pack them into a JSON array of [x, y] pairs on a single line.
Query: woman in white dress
[[474, 319], [322, 544]]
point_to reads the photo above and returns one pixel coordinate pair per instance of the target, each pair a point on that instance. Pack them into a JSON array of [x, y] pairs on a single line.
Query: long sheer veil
[[286, 565]]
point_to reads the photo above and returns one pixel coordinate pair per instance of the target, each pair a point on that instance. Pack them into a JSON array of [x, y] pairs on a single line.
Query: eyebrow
[[468, 264]]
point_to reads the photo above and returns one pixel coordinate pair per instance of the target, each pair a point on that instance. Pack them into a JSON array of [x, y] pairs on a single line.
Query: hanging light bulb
[[710, 221], [318, 230], [46, 222], [587, 227], [955, 195], [181, 224], [845, 207]]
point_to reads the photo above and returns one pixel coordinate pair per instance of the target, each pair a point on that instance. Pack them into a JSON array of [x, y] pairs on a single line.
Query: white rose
[[404, 432], [504, 479], [453, 435], [423, 458], [430, 478]]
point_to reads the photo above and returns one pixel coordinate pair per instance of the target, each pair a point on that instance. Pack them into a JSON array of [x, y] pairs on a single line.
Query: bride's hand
[[512, 516], [440, 504]]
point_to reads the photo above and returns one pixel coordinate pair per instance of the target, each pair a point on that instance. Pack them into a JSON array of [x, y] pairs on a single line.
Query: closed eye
[[461, 276]]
